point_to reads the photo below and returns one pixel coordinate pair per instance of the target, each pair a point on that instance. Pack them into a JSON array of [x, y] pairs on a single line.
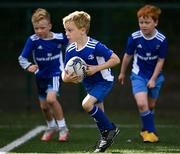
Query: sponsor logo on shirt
[[147, 58], [48, 58]]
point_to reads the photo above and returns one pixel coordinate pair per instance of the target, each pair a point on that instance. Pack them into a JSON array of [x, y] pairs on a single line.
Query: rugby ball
[[78, 66]]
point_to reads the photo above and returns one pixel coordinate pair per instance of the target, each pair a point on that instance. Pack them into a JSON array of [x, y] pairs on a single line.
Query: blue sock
[[152, 114], [148, 121], [100, 126], [101, 119]]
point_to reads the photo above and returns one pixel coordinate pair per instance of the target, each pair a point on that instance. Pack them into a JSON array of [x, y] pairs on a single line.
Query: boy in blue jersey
[[99, 80], [46, 48], [149, 48]]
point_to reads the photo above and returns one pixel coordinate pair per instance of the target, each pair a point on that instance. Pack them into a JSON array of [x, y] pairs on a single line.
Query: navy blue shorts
[[44, 85]]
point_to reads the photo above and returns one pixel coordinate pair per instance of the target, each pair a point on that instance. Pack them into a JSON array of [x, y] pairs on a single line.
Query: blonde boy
[[99, 80], [45, 46]]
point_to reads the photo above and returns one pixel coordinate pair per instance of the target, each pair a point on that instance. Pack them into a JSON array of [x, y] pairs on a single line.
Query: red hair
[[149, 11]]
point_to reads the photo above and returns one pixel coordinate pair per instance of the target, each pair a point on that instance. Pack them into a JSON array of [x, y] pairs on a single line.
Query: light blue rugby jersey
[[47, 54], [93, 53], [146, 52]]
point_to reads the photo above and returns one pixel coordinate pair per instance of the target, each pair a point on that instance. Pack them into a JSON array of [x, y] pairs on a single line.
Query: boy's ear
[[50, 26], [156, 23], [83, 30]]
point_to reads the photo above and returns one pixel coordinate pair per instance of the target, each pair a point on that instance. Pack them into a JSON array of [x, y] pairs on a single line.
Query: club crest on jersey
[[90, 57], [157, 47]]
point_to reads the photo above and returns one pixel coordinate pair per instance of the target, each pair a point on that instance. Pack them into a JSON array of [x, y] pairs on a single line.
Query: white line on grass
[[22, 139], [39, 129]]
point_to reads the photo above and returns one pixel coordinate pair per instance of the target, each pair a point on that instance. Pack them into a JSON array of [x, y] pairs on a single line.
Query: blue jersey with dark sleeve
[[93, 53], [47, 54], [146, 52]]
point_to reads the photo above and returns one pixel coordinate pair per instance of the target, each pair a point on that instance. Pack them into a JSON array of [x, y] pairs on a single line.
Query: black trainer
[[106, 140]]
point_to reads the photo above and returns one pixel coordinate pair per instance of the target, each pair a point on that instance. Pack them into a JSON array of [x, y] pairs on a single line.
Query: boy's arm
[[157, 70], [24, 63], [23, 58], [126, 60], [113, 61]]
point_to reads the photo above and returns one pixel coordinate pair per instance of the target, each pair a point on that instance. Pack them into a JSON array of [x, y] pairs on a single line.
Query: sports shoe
[[143, 134], [106, 140], [149, 137], [48, 134], [63, 134]]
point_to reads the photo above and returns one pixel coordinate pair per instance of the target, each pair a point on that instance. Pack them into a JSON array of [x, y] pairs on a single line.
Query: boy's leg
[[47, 89], [58, 114], [140, 91], [51, 123], [145, 113], [153, 94], [107, 129], [99, 125], [148, 131]]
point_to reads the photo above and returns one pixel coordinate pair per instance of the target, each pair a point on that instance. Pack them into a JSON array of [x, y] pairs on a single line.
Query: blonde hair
[[40, 14], [149, 11], [80, 18]]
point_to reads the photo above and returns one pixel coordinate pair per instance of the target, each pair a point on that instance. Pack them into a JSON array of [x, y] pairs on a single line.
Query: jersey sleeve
[[27, 50], [62, 38], [103, 51], [130, 48], [163, 49], [65, 40]]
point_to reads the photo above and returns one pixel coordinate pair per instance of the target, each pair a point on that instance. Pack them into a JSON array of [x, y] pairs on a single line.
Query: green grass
[[14, 125]]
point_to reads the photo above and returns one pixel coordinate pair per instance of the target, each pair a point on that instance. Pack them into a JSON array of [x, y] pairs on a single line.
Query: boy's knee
[[87, 106], [152, 106], [44, 107], [51, 101], [143, 106]]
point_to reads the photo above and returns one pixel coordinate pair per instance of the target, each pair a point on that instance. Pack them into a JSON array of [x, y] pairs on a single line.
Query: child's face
[[42, 28], [147, 26], [72, 32]]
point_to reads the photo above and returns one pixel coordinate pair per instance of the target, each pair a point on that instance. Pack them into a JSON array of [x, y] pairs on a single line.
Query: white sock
[[61, 123], [51, 123]]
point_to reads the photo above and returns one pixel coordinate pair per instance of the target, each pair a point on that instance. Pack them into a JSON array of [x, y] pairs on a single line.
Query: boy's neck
[[150, 35], [82, 42], [49, 36]]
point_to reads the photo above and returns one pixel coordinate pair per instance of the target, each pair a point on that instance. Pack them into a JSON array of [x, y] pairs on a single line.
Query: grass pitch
[[83, 133]]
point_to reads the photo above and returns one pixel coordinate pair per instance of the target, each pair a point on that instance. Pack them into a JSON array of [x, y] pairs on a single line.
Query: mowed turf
[[82, 138]]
